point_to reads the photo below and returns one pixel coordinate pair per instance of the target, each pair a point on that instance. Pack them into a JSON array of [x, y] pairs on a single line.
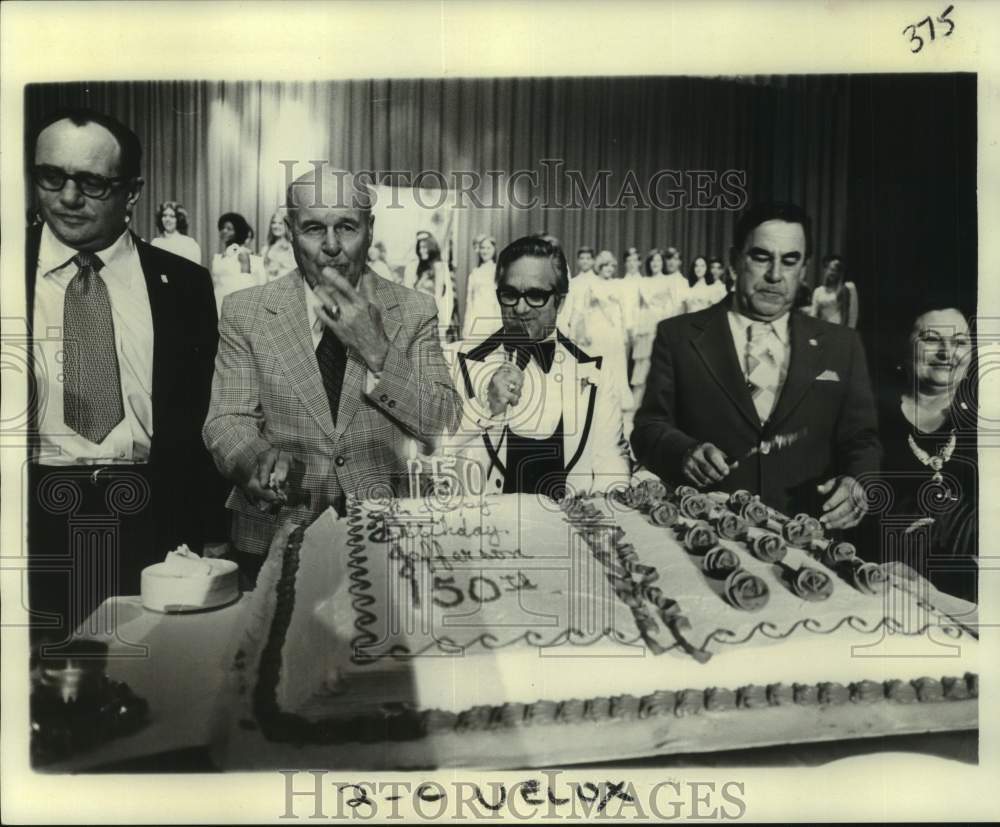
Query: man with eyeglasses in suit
[[122, 337], [539, 414]]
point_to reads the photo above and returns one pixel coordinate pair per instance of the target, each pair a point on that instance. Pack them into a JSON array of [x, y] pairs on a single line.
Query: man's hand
[[845, 507], [266, 484], [352, 318], [505, 388], [705, 464]]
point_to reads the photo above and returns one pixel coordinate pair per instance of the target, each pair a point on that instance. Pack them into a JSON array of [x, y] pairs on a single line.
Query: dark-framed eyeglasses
[[535, 297], [90, 184]]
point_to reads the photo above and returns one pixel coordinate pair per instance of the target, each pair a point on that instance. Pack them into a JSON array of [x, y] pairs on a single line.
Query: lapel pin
[[812, 342], [163, 278]]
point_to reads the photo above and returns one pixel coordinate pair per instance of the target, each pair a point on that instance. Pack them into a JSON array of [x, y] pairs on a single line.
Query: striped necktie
[[92, 387], [763, 370]]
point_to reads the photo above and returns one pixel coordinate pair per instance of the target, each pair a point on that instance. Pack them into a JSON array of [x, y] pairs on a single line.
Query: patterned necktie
[[763, 370], [92, 387], [331, 355]]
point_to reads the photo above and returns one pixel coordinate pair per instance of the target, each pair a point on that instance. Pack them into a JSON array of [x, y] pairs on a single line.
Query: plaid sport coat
[[267, 392]]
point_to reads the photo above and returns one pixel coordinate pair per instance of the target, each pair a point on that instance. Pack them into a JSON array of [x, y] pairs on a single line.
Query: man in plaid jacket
[[324, 376]]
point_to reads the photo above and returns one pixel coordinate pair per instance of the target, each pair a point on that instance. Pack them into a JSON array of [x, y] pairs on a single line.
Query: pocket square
[[828, 376]]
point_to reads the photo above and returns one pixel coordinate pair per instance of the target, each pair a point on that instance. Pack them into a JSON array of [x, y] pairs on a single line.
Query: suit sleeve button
[[392, 403], [340, 461], [499, 484], [384, 397]]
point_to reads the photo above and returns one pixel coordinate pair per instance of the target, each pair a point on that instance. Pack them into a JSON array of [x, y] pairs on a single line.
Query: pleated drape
[[219, 146]]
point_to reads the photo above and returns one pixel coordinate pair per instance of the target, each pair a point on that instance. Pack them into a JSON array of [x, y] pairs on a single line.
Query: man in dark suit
[[746, 395], [123, 341]]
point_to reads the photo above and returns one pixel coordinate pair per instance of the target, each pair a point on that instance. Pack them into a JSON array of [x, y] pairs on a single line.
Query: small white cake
[[185, 582]]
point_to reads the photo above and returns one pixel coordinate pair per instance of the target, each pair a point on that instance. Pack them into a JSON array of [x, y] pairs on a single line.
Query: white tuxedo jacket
[[594, 449]]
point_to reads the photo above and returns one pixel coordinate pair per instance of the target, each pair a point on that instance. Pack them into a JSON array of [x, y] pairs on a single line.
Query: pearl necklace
[[936, 462]]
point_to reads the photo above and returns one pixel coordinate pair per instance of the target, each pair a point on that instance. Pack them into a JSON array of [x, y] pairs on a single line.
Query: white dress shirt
[[738, 325], [130, 439]]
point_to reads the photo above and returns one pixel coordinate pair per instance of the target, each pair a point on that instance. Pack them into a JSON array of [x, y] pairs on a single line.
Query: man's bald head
[[328, 188], [330, 223]]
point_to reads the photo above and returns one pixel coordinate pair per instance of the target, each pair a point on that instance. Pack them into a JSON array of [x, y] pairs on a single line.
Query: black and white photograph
[[525, 412]]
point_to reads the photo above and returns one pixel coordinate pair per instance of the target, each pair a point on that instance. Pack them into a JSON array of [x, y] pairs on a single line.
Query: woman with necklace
[[929, 435], [277, 255], [172, 223]]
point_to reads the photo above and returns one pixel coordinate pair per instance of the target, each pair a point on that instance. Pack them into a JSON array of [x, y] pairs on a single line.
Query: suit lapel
[[163, 309], [479, 354], [714, 344], [379, 292], [287, 324], [806, 360], [578, 399]]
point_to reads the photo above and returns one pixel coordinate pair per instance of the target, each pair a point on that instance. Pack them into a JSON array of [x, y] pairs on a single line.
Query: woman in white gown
[[482, 310], [429, 274], [234, 268], [675, 277], [656, 303], [277, 255], [593, 316], [703, 289], [835, 300], [172, 222]]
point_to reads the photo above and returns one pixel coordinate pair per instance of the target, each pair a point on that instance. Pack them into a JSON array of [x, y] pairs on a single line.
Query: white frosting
[[520, 539], [186, 582]]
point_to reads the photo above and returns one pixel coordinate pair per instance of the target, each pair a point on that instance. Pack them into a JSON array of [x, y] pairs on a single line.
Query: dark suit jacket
[[696, 392], [187, 493]]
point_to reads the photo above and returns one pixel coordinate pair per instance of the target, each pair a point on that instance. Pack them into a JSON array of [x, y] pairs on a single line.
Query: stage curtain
[[219, 146]]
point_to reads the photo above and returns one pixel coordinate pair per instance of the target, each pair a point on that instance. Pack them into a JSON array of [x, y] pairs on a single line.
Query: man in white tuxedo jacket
[[539, 415]]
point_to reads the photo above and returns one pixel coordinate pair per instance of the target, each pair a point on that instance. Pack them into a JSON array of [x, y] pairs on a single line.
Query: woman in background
[[703, 289], [277, 255], [482, 310], [717, 267], [234, 268], [835, 300], [656, 303], [927, 425], [675, 278], [377, 256], [431, 276], [172, 222]]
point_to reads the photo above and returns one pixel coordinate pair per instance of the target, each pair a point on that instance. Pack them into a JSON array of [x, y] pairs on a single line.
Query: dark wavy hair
[[772, 211], [240, 226], [179, 212], [692, 278], [647, 264], [534, 247]]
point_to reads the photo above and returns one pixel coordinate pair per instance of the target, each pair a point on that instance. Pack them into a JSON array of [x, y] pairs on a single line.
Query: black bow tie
[[542, 352]]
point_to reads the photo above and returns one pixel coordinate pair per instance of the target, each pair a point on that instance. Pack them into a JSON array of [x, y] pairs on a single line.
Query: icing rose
[[624, 707], [806, 694], [866, 692], [837, 553], [900, 691], [752, 696], [755, 513], [695, 506], [684, 491], [746, 591], [768, 547], [812, 584], [659, 703], [868, 578], [699, 538], [720, 562], [955, 689], [795, 532], [719, 700], [739, 498], [664, 514], [814, 527], [654, 490], [730, 526], [928, 690], [780, 694], [689, 702], [833, 694]]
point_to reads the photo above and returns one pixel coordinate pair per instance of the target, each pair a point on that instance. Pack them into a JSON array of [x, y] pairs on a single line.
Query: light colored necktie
[[92, 388], [762, 369]]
